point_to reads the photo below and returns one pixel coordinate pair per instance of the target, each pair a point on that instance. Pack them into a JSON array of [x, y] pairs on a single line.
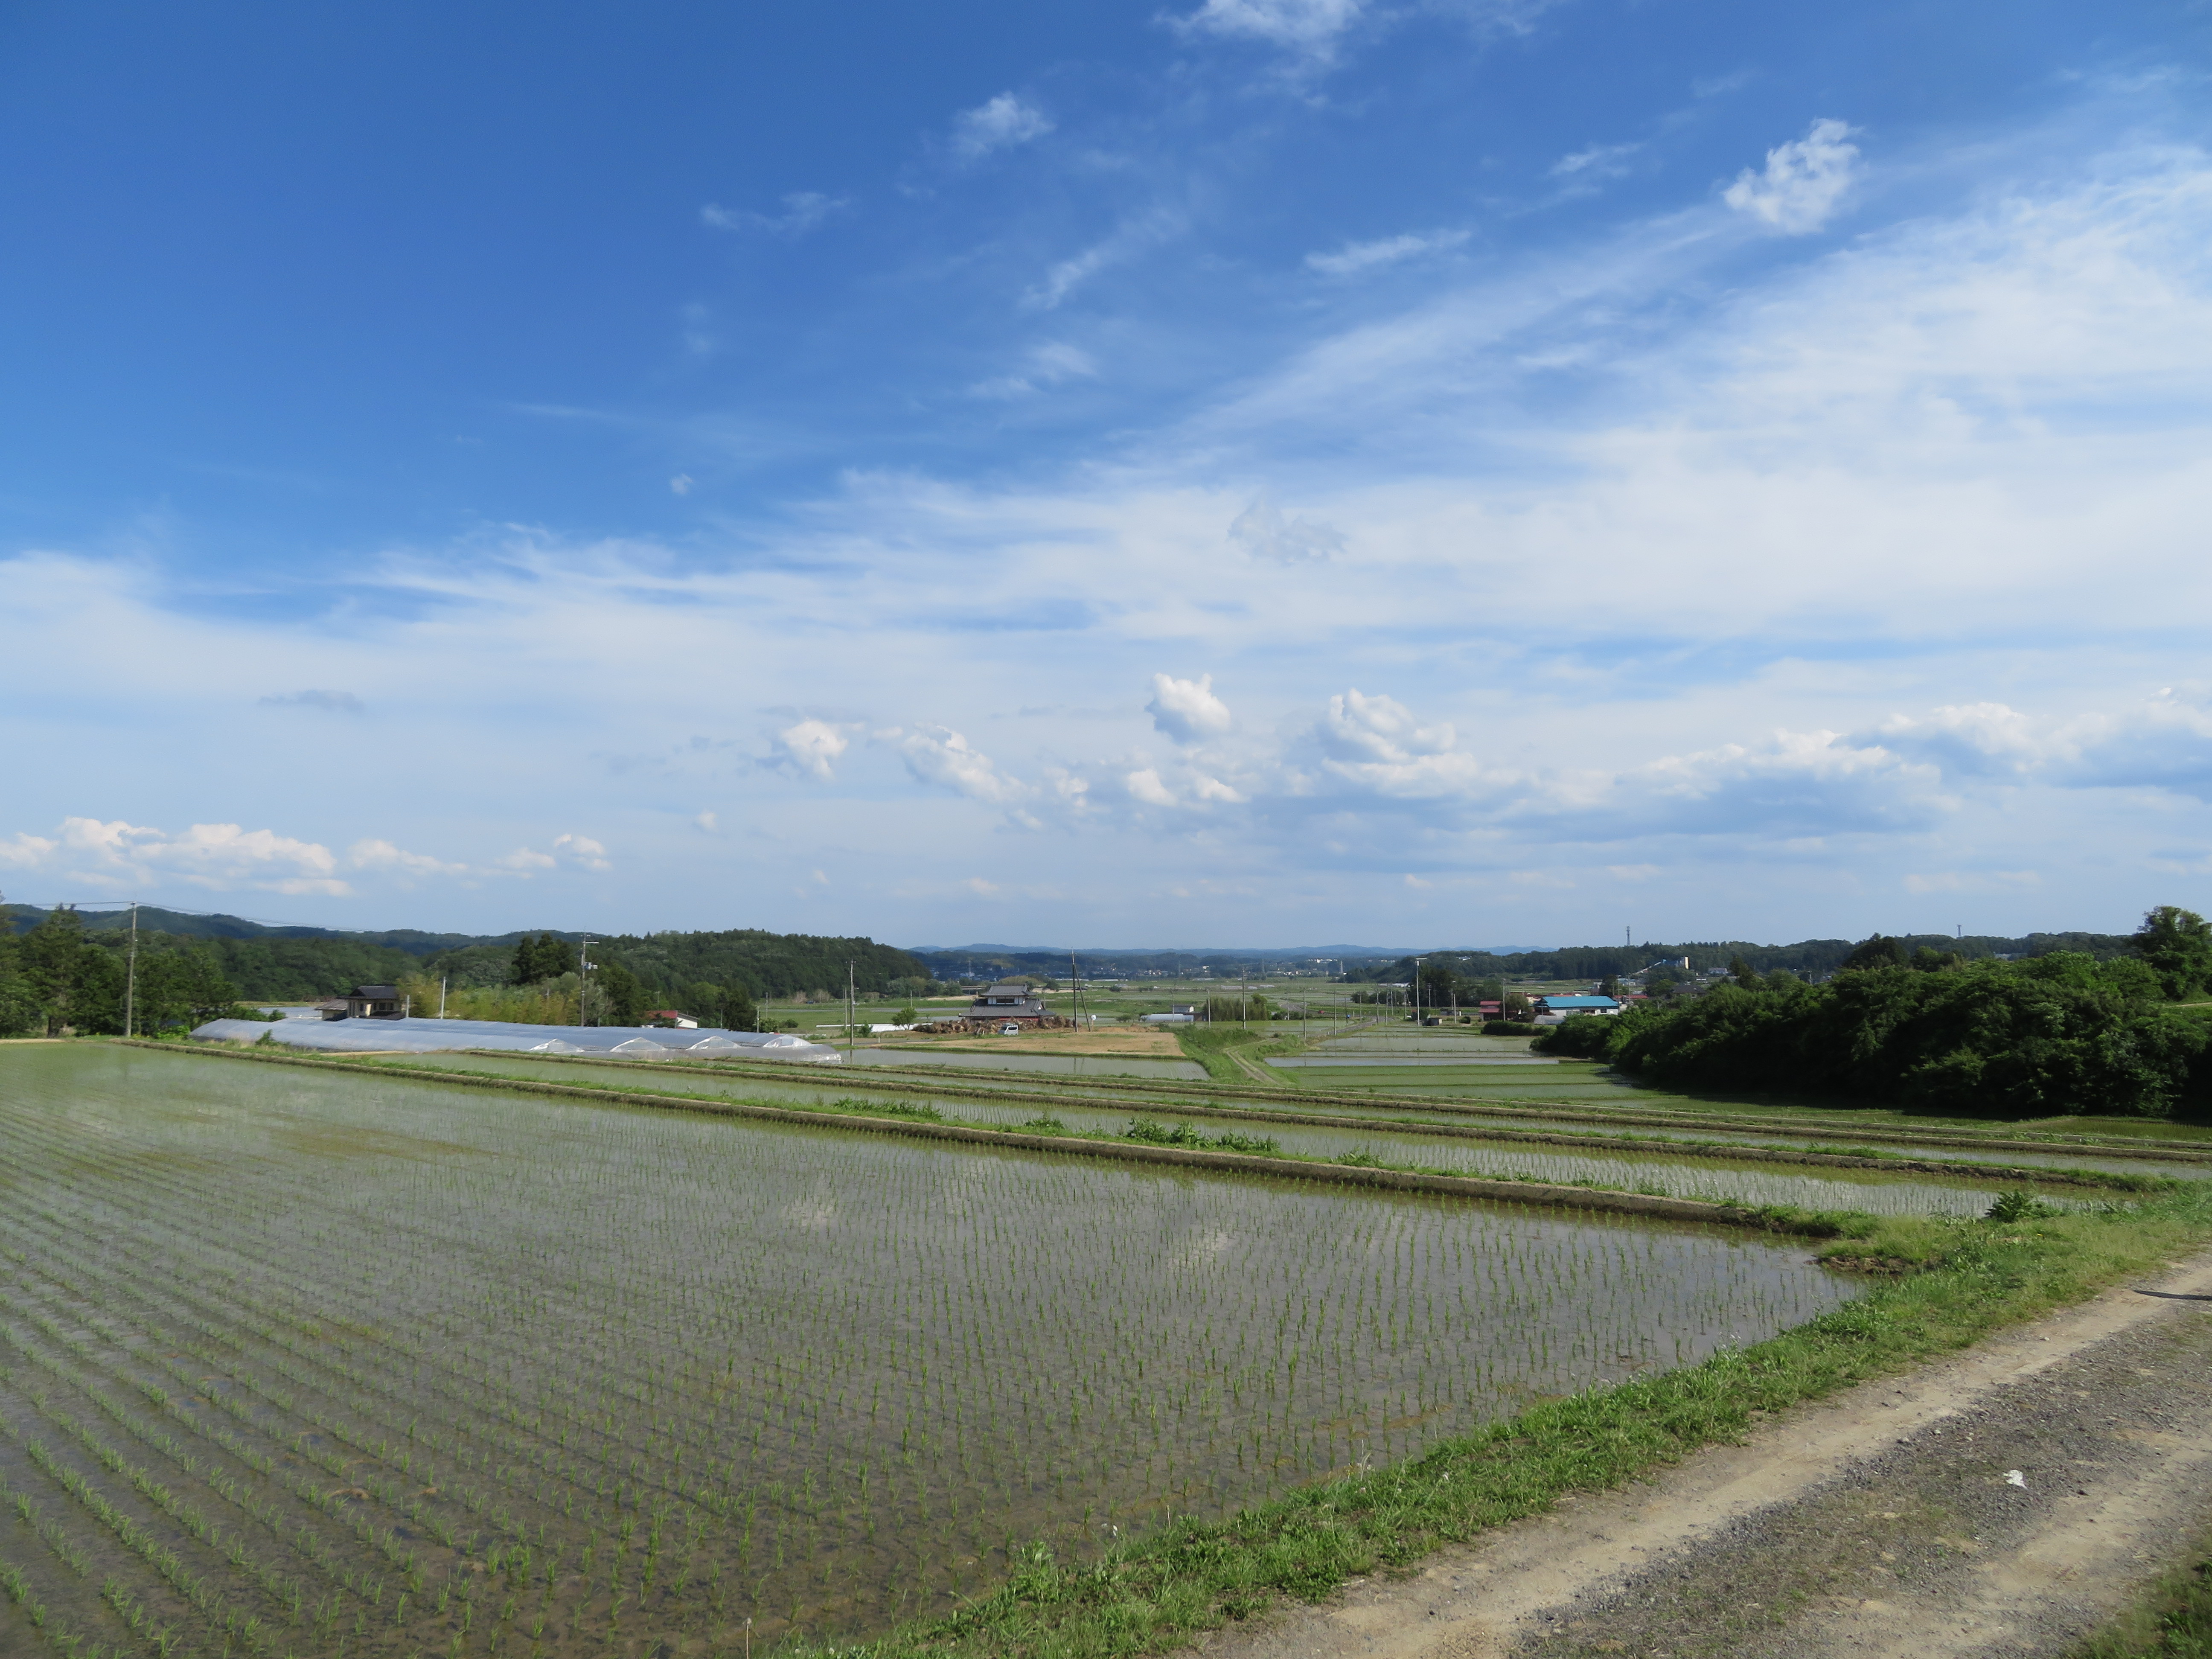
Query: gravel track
[[1879, 1523]]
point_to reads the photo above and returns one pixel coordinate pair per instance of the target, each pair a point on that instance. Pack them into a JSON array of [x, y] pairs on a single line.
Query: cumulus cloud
[[1804, 180], [1001, 124], [1186, 710], [384, 855], [1377, 744], [1265, 532], [116, 853], [330, 702], [1145, 785], [2163, 743], [804, 210], [938, 755], [811, 748], [568, 852], [1305, 26], [1355, 257]]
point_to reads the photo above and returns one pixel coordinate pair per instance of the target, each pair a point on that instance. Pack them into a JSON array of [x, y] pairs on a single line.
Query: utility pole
[[583, 980], [850, 982], [442, 978], [130, 978]]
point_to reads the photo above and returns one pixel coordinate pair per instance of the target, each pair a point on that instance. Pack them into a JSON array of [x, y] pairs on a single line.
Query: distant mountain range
[[153, 918], [418, 942]]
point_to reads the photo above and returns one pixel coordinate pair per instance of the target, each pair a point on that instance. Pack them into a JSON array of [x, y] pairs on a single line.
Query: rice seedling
[[308, 1362]]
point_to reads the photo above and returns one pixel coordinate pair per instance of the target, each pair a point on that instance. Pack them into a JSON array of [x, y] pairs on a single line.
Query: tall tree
[[2177, 943], [55, 958]]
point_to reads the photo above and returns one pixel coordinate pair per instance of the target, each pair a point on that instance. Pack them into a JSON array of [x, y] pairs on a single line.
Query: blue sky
[[1242, 470]]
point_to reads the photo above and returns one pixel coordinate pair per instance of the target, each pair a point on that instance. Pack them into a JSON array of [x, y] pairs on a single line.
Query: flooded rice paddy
[[1645, 1168], [1051, 1066], [301, 1363]]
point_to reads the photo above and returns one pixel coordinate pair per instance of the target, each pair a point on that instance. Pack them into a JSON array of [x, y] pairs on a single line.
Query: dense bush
[[2058, 1034]]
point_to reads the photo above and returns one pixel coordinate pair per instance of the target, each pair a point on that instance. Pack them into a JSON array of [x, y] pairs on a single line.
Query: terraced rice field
[[1646, 1167], [297, 1363]]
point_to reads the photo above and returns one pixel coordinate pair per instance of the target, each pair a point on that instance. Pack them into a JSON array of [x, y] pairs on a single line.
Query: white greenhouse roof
[[438, 1036]]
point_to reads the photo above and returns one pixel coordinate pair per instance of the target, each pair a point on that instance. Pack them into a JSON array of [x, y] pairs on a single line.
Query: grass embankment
[[1964, 1280], [1232, 1054]]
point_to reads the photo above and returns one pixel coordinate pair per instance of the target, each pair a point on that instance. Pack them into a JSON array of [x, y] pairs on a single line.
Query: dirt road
[[2004, 1502]]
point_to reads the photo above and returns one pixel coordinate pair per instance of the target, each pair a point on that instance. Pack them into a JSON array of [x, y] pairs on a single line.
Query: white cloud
[[1262, 530], [331, 703], [811, 747], [384, 855], [1355, 257], [1186, 710], [1376, 744], [1002, 122], [1130, 238], [804, 210], [23, 851], [568, 852], [680, 484], [1145, 785], [2163, 743], [1598, 161], [938, 755], [1047, 363], [1919, 471], [1307, 26], [1804, 180], [115, 853]]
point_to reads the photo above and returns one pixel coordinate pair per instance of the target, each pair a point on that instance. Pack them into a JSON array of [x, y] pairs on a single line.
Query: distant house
[[1552, 1011], [669, 1017], [366, 1002], [1011, 1001]]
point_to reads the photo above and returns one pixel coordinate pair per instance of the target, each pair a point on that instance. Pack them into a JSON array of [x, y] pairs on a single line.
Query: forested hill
[[765, 964], [1806, 957], [184, 924], [296, 964]]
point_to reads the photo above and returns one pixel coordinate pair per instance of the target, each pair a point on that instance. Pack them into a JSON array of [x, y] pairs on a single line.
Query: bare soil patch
[[1117, 1042]]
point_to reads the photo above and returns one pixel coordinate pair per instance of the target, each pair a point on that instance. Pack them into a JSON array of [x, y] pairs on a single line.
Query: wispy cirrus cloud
[[330, 702], [1354, 257], [1047, 364], [804, 212]]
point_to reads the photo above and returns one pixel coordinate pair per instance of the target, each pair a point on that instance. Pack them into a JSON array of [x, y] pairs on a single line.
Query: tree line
[[61, 976], [1806, 957], [1933, 1029]]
